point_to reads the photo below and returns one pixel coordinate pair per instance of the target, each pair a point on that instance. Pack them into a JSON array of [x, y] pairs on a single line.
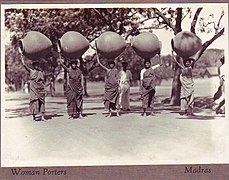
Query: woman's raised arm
[[179, 64], [23, 61], [101, 65]]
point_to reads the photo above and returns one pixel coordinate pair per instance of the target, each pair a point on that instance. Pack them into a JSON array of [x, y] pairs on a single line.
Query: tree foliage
[[15, 72], [91, 22]]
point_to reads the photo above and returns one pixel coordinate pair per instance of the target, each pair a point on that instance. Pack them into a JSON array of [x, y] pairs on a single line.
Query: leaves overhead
[[91, 22]]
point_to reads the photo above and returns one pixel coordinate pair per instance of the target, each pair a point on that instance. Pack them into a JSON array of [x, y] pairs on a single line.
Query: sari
[[37, 92], [219, 96], [148, 88], [125, 78], [74, 92], [187, 89], [111, 96]]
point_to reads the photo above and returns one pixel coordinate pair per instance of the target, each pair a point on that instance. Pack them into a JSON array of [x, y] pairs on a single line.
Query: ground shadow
[[17, 113], [93, 108], [50, 116], [12, 116], [17, 99], [87, 114], [198, 117], [171, 109], [204, 102], [56, 102], [133, 109]]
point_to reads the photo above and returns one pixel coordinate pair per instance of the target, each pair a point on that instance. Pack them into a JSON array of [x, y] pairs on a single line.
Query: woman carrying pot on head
[[111, 97], [74, 89], [187, 85], [37, 89]]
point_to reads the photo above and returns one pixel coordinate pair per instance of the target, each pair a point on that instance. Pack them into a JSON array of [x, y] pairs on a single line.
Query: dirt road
[[166, 138]]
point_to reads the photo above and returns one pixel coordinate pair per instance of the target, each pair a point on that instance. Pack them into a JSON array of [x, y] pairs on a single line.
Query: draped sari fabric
[[37, 92], [74, 92], [111, 89], [148, 88], [125, 78], [187, 88], [219, 97]]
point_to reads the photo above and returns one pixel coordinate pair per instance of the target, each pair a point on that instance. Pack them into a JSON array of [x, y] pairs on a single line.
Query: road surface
[[167, 138]]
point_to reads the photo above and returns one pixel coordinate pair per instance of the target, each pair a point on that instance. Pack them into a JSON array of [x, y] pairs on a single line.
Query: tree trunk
[[85, 87], [176, 87], [53, 88], [65, 81]]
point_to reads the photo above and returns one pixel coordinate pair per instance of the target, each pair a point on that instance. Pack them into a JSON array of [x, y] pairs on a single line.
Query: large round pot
[[146, 45], [186, 44], [110, 44], [73, 44], [35, 45]]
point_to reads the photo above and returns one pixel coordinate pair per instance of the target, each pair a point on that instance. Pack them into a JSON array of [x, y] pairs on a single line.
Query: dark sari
[[37, 92], [74, 92], [111, 89], [148, 88]]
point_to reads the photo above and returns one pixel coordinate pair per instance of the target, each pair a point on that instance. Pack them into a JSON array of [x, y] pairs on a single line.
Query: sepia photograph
[[114, 84]]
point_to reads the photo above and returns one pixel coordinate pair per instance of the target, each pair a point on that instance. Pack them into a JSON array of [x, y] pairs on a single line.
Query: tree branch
[[194, 21], [121, 28], [105, 20], [178, 21], [153, 27], [189, 10], [93, 38], [132, 14], [134, 31], [216, 25], [166, 20], [206, 25], [207, 43], [147, 19], [221, 16]]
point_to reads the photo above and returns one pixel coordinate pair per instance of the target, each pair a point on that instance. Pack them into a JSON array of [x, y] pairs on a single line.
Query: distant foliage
[[135, 65], [210, 58], [14, 70]]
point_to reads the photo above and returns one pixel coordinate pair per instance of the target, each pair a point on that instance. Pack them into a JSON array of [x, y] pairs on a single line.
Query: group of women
[[117, 87]]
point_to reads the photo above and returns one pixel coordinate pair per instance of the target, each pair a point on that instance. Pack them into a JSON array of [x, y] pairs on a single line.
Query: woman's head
[[188, 62], [124, 65], [74, 64], [36, 65], [147, 63], [111, 64]]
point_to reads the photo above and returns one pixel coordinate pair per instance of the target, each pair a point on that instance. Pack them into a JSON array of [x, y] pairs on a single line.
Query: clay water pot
[[110, 44], [35, 45], [186, 44], [146, 45], [73, 44]]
